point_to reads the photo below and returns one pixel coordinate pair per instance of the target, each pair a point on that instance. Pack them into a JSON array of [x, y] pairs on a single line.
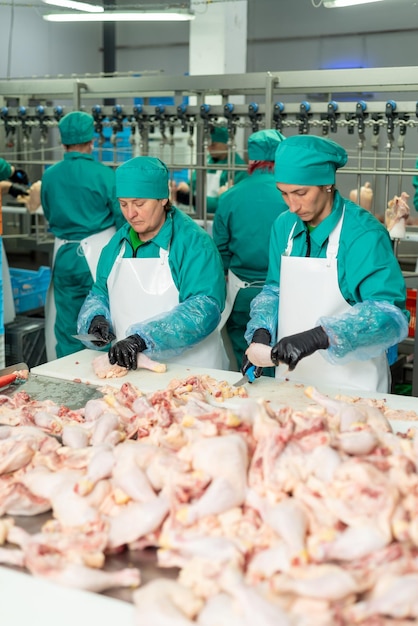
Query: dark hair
[[168, 205], [260, 165]]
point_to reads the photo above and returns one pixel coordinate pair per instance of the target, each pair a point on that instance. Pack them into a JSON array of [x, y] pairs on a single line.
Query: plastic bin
[[411, 305], [29, 288], [25, 341]]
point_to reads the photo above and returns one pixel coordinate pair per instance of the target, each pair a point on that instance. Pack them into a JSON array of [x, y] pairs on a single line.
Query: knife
[[10, 375], [86, 337], [249, 377]]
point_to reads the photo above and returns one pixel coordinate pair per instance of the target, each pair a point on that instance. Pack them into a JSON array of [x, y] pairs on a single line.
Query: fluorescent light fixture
[[78, 6], [120, 16], [334, 4]]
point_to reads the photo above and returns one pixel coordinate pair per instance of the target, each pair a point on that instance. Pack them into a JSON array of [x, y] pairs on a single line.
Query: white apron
[[213, 182], [140, 289], [91, 248], [309, 290], [234, 284]]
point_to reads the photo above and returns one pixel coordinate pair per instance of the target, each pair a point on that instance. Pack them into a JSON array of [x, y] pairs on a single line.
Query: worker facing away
[[216, 179], [241, 231], [78, 197], [13, 180], [334, 298], [159, 285]]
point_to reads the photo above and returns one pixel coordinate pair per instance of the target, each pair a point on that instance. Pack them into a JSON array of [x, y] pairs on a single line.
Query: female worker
[[334, 298], [159, 285], [79, 202], [241, 231]]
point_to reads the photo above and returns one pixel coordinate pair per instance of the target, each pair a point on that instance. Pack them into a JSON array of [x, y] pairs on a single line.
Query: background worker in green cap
[[216, 179], [334, 298], [241, 231], [79, 202], [160, 286]]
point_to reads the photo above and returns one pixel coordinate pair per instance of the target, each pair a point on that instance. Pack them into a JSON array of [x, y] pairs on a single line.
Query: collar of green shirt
[[321, 232], [162, 239]]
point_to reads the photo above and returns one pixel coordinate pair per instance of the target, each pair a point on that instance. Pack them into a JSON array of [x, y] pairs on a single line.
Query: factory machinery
[[373, 113]]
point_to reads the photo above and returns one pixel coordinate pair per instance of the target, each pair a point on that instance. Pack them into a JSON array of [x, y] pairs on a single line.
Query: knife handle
[[250, 373], [7, 379]]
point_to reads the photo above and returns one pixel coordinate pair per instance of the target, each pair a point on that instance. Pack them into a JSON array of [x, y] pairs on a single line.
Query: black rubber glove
[[292, 349], [261, 335], [125, 351], [100, 327], [19, 176], [16, 190]]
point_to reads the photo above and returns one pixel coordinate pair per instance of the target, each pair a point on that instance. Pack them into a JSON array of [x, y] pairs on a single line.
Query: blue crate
[[29, 287]]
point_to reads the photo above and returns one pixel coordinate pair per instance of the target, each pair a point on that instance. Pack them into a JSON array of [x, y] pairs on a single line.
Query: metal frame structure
[[371, 112]]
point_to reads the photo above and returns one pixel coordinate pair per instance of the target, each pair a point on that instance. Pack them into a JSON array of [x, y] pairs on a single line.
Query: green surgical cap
[[219, 135], [142, 177], [76, 127], [263, 144], [308, 160]]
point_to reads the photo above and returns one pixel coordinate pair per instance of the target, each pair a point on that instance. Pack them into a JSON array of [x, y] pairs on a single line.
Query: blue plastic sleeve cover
[[364, 331]]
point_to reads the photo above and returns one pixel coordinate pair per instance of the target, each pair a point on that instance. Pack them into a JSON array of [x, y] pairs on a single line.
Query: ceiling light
[[78, 6], [333, 4], [121, 16]]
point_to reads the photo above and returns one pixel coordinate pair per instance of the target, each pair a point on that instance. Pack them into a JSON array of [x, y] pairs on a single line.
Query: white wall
[[282, 35]]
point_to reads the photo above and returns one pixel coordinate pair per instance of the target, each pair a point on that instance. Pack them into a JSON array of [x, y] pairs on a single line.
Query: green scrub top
[[242, 224], [367, 267], [5, 169], [415, 184], [78, 197], [212, 201]]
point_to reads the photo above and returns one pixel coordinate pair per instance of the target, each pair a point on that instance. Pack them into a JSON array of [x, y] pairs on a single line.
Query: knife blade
[[248, 377], [86, 337]]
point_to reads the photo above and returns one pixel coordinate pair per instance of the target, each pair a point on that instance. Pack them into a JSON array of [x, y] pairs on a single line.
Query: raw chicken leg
[[165, 602], [103, 369]]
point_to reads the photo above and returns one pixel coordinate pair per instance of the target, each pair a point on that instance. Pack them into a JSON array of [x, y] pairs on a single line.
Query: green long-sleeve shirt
[[78, 197]]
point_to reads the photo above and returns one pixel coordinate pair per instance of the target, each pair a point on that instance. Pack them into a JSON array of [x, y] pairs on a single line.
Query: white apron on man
[[91, 248], [213, 182], [309, 290], [140, 289]]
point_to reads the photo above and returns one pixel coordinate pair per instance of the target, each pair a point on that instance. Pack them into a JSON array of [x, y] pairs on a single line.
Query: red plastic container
[[411, 305]]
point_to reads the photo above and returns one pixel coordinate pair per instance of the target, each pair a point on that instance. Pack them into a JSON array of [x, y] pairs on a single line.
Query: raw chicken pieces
[[103, 369], [274, 516], [259, 355], [396, 215]]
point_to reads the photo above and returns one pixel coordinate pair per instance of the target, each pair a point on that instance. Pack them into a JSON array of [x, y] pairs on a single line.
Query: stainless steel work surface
[[73, 395]]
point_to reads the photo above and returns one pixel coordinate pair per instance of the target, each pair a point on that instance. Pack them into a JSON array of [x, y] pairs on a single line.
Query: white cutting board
[[78, 366], [29, 600]]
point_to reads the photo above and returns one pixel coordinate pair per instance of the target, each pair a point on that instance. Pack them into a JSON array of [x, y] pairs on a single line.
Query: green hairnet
[[308, 160], [142, 177], [76, 127], [219, 134], [263, 144]]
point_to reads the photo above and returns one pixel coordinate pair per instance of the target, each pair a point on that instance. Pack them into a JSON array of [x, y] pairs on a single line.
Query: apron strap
[[333, 239]]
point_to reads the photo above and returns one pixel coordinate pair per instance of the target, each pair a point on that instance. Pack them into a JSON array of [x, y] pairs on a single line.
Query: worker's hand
[[184, 187], [19, 176], [292, 349], [223, 188], [16, 190], [125, 352], [100, 327], [261, 335]]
